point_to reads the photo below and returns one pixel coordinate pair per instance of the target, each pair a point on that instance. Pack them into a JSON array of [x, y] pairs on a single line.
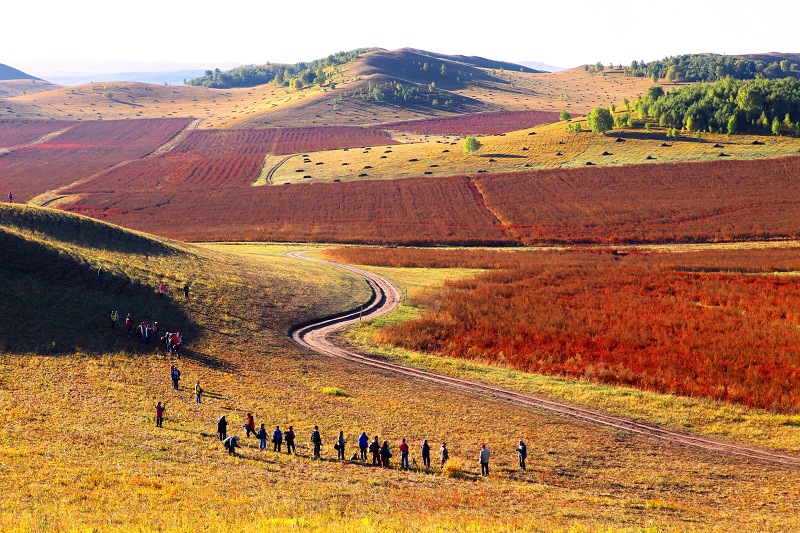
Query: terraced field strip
[[316, 337]]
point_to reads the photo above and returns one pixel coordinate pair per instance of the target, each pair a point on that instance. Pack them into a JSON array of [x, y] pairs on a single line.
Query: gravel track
[[386, 296]]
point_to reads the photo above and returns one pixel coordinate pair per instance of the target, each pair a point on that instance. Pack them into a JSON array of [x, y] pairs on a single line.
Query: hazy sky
[[563, 33]]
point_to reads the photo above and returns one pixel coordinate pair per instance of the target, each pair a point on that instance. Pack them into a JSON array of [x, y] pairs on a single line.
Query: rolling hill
[[378, 87]]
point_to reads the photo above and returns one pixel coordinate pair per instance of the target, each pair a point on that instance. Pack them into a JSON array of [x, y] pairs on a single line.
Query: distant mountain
[[174, 77], [67, 71], [536, 65], [10, 73]]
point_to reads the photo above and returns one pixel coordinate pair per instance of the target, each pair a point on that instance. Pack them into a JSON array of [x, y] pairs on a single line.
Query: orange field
[[82, 150], [418, 211], [691, 202], [670, 322]]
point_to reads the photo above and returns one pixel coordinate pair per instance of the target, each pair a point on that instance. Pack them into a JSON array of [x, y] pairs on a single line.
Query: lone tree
[[471, 145], [564, 115], [600, 120]]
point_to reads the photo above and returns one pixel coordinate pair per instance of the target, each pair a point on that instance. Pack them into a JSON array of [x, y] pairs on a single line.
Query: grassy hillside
[[468, 84], [80, 450], [539, 148]]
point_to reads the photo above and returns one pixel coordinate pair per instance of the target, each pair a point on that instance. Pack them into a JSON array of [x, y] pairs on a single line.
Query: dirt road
[[386, 296]]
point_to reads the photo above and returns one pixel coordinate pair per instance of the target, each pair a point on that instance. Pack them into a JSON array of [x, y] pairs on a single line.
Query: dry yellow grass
[[271, 106], [79, 450]]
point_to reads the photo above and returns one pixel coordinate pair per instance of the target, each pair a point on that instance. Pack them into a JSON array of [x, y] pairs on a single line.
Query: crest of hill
[[419, 66], [771, 57]]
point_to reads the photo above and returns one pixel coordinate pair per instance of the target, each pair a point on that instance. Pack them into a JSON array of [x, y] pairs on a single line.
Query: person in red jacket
[[249, 425], [160, 414], [403, 455]]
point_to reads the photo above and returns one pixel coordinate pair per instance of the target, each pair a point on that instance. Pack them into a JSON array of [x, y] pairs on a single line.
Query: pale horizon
[[565, 34]]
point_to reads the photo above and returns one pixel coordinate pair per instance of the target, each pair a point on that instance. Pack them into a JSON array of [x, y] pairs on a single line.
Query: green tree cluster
[[706, 67], [600, 120], [282, 75], [471, 145], [729, 106]]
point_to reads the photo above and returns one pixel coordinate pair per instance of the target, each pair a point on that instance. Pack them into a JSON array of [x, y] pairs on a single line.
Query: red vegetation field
[[177, 173], [281, 141], [684, 202], [628, 320], [718, 201], [419, 211], [492, 123], [83, 150], [19, 132]]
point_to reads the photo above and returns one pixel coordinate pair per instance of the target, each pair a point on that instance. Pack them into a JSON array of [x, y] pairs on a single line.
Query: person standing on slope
[[222, 428], [316, 440], [444, 455], [289, 436], [483, 458], [277, 439], [425, 450], [198, 391], [522, 453], [160, 413], [340, 442], [129, 324], [175, 374], [403, 455], [375, 450], [386, 454], [363, 442], [262, 437]]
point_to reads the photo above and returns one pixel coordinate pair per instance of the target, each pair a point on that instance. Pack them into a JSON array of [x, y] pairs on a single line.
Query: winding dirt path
[[386, 296]]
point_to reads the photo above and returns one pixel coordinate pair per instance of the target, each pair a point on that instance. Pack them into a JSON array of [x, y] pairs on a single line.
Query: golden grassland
[[79, 450], [542, 147], [574, 90], [272, 106]]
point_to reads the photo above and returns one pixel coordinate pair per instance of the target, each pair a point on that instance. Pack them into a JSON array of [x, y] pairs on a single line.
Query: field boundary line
[[385, 296]]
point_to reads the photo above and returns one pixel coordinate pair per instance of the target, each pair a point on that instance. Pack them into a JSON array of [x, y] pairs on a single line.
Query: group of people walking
[[380, 451]]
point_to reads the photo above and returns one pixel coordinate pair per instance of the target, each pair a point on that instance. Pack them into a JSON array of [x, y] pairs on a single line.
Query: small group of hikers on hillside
[[145, 332]]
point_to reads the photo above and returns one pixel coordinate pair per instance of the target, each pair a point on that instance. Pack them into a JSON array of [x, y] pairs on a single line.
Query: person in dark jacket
[[363, 443], [483, 459], [289, 436], [386, 454], [222, 428], [277, 439], [175, 374], [316, 440], [340, 442], [262, 437], [522, 453], [426, 454], [375, 450]]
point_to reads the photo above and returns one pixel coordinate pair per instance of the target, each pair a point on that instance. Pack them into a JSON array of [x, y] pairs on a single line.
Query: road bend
[[385, 297]]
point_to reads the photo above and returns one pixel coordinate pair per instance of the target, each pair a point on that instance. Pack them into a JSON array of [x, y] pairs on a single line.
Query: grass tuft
[[453, 468], [334, 391]]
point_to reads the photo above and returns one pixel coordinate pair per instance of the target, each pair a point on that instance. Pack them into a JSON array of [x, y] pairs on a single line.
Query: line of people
[[380, 452]]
